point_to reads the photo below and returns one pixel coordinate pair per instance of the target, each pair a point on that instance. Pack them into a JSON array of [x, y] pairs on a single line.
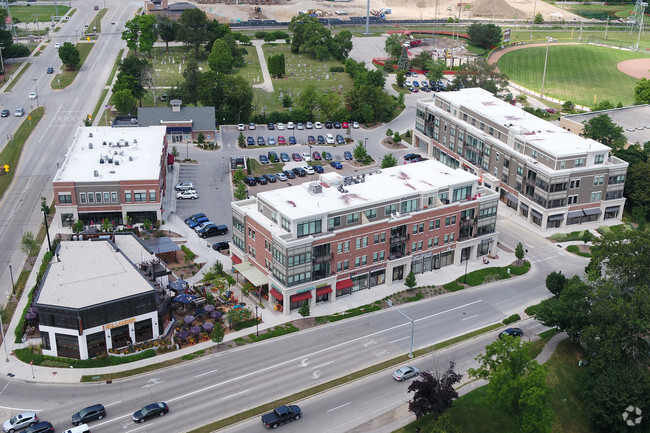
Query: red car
[[345, 125], [551, 110], [281, 140], [296, 157], [316, 156]]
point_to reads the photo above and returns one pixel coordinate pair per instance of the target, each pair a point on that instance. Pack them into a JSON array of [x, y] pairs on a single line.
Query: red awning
[[236, 260], [275, 293], [344, 284], [323, 290], [301, 296]]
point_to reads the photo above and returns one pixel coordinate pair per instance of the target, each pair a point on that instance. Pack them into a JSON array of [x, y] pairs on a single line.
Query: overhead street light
[[390, 304]]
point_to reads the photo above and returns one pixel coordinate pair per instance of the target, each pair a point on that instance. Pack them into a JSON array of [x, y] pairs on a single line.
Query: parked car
[[550, 110], [329, 125], [280, 126], [309, 125], [316, 156], [340, 139], [355, 125], [318, 125], [191, 218], [150, 411], [41, 427], [281, 415], [240, 127], [405, 373], [213, 230], [270, 177], [250, 181], [20, 421], [318, 168], [270, 126], [410, 156], [289, 174], [424, 83], [416, 83], [347, 155], [281, 176], [90, 413], [5, 113], [300, 126], [197, 221], [299, 171], [511, 332], [264, 159], [292, 139], [311, 139], [251, 126], [272, 141], [183, 186], [296, 157], [337, 125], [284, 157], [57, 45], [306, 156], [203, 225], [327, 156], [321, 139], [290, 125], [281, 141], [345, 125], [261, 141], [273, 157], [250, 141], [308, 169], [337, 165], [221, 246], [330, 139], [261, 180], [188, 194]]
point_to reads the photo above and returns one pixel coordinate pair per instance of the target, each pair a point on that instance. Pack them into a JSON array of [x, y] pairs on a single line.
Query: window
[[274, 216], [333, 222], [65, 198], [236, 224], [446, 239], [364, 241], [346, 265], [82, 198], [415, 229], [251, 233], [432, 224], [375, 257], [113, 197], [107, 198], [251, 251], [346, 246], [306, 228], [419, 245], [599, 180], [447, 221], [573, 199], [496, 156], [152, 195], [364, 260], [462, 193], [430, 243], [286, 224], [139, 196], [414, 246], [453, 220], [408, 205], [339, 248], [383, 237], [595, 196], [580, 162], [353, 217], [451, 237], [575, 183], [562, 164], [381, 255], [370, 213], [438, 223], [376, 240], [339, 266], [421, 228], [299, 259], [91, 197], [599, 159], [520, 170], [435, 241], [128, 197], [506, 163]]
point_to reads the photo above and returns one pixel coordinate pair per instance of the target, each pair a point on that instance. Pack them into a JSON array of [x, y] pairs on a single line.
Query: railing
[[395, 239], [322, 259]]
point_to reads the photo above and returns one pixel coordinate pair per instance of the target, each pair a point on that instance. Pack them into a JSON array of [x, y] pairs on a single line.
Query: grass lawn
[[579, 73], [63, 80], [25, 14]]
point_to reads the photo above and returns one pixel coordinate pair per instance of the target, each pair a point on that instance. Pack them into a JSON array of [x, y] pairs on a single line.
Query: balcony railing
[[323, 258], [397, 238]]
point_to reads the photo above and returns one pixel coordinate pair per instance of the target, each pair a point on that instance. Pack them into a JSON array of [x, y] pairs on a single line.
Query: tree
[[420, 60], [393, 45], [304, 309], [359, 152], [520, 253], [148, 33], [220, 59], [69, 55], [190, 87], [239, 176], [539, 18], [555, 282], [167, 29], [193, 29], [568, 311], [131, 33], [480, 74], [601, 128], [401, 78], [568, 106], [517, 383], [403, 63], [436, 69], [27, 243], [341, 45], [308, 99], [124, 101], [78, 226], [277, 65], [642, 91], [434, 393], [603, 105], [217, 334], [485, 35], [310, 36], [388, 161], [328, 104], [397, 138], [410, 280], [241, 193], [637, 185]]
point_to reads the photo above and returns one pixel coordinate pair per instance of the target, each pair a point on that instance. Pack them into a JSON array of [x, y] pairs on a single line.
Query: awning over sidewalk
[[252, 274], [275, 293], [575, 214], [558, 217], [323, 290], [535, 213], [612, 208], [301, 296], [513, 198], [592, 211], [344, 284], [236, 260]]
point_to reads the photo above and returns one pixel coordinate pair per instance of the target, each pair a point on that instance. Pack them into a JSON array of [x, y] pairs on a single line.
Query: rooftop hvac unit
[[126, 143], [104, 143], [121, 153], [130, 158], [96, 173], [90, 145], [315, 188], [110, 160], [110, 144], [135, 141], [101, 160], [90, 134], [117, 162]]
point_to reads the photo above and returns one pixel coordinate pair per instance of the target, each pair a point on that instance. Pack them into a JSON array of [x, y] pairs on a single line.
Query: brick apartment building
[[552, 177], [321, 240], [112, 173]]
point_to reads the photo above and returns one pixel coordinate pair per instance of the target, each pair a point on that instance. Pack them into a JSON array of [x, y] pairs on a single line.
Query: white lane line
[[399, 339], [207, 372], [51, 123], [322, 365], [235, 395], [21, 410], [543, 260], [338, 407], [3, 389], [470, 317], [111, 404]]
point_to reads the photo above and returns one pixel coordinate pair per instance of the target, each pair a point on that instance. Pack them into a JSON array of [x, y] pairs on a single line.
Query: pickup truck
[[281, 415]]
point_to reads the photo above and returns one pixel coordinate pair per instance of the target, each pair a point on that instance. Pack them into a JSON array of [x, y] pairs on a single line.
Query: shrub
[[452, 286], [26, 355], [337, 69], [260, 35], [511, 319]]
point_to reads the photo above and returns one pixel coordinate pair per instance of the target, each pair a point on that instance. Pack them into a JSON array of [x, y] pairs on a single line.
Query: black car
[[50, 70], [213, 230], [512, 332], [271, 126], [299, 171], [250, 141], [340, 139], [318, 168], [150, 411], [261, 180], [90, 413], [411, 156], [321, 139], [250, 181], [41, 427], [328, 125], [270, 177], [289, 174], [221, 246], [260, 141], [263, 159], [337, 125], [5, 113]]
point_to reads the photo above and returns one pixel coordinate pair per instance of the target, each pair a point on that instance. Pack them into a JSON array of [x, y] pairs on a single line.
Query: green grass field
[[42, 13], [577, 73]]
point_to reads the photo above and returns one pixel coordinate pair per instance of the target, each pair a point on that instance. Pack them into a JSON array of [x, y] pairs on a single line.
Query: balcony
[[322, 258], [398, 238], [394, 255]]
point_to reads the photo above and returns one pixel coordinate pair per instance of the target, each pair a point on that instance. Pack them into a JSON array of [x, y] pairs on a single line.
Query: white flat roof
[[90, 273], [394, 183], [138, 152], [544, 135]]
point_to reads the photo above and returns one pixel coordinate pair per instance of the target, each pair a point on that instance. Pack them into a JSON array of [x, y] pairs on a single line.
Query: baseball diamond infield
[[584, 74]]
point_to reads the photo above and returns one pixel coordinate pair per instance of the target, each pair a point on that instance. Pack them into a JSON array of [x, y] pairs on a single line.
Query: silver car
[[405, 373], [20, 421], [184, 186]]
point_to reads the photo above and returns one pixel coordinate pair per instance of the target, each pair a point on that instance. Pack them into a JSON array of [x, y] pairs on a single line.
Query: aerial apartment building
[[553, 178], [321, 240]]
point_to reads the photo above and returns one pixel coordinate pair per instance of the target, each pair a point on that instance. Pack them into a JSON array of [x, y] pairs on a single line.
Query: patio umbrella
[[209, 308], [184, 298], [189, 319], [208, 326], [215, 315], [183, 334], [31, 316], [195, 329], [178, 286], [199, 311]]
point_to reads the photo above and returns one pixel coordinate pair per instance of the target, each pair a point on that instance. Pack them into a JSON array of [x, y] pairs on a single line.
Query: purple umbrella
[[208, 326], [31, 316], [182, 334], [195, 329], [215, 315], [189, 319], [209, 308]]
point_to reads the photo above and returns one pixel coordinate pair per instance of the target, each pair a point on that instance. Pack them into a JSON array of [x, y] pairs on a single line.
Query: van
[[83, 428]]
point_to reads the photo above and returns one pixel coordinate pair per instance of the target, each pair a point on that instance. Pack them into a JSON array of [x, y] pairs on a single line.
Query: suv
[[20, 421], [250, 181], [213, 231], [184, 186], [41, 427], [299, 171], [191, 218], [90, 413]]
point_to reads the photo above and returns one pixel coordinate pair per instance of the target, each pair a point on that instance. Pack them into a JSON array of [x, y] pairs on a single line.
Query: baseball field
[[579, 73]]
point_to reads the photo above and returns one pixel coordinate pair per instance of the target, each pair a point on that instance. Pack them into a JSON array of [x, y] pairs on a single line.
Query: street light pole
[[36, 91], [310, 155], [532, 22], [466, 260], [13, 287], [365, 143], [548, 42], [4, 341], [257, 323], [47, 231], [390, 304]]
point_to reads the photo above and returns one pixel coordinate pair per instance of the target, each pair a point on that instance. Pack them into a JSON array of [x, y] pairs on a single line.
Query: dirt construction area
[[284, 10]]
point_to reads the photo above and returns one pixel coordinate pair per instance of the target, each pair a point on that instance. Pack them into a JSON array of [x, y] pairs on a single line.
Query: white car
[[300, 126], [203, 225], [306, 156], [355, 125], [318, 125], [309, 169], [329, 138], [190, 194], [424, 83], [57, 45], [309, 125], [240, 127], [183, 186], [251, 126], [33, 95], [280, 126], [290, 125], [281, 176], [414, 74]]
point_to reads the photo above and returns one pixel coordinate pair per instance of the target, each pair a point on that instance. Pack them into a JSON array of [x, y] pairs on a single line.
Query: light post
[[310, 155], [643, 5], [390, 304], [38, 32], [187, 150], [367, 18], [76, 39], [36, 92], [257, 323], [4, 341], [47, 231], [466, 260], [13, 287], [365, 143], [532, 22], [548, 42]]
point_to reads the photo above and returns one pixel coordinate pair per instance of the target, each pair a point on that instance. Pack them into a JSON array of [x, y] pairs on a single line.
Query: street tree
[[27, 243], [148, 33], [309, 99], [241, 192], [436, 68], [167, 29], [131, 33], [124, 101], [359, 152], [217, 334], [520, 253], [485, 35], [481, 74], [388, 161], [393, 45], [193, 29], [555, 282], [69, 55], [434, 392], [220, 59], [602, 129], [409, 281], [304, 309], [568, 311], [400, 78], [642, 91]]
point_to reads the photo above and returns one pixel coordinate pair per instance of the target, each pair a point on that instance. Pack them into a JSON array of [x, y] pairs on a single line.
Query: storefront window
[[143, 330], [377, 278], [67, 346], [360, 282], [96, 344], [120, 336], [45, 340]]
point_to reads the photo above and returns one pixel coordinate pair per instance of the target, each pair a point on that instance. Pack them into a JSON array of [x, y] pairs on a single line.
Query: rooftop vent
[[90, 145], [117, 162], [90, 134], [104, 143], [135, 141], [130, 158], [110, 160], [101, 160], [126, 143], [315, 188], [96, 173]]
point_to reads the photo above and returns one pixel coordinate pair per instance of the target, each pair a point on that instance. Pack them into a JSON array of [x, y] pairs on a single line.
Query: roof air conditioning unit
[[101, 160], [110, 144], [117, 162], [130, 158], [315, 188], [90, 134], [110, 160], [121, 153], [104, 143], [90, 145], [126, 143], [96, 173], [135, 140]]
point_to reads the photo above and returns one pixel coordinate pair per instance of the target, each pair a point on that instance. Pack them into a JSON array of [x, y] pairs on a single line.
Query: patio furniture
[[199, 312], [199, 302]]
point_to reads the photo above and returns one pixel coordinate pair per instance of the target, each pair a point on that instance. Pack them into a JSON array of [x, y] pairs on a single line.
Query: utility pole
[[390, 304], [532, 22], [548, 42]]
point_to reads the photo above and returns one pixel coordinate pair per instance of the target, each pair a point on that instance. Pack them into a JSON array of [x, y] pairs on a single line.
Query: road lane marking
[[5, 387], [322, 365], [369, 343], [111, 404], [304, 362], [315, 374], [21, 410], [470, 317], [236, 394], [399, 339], [338, 407], [152, 382], [207, 372]]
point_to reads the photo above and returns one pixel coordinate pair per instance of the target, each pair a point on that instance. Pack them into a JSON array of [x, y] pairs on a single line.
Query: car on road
[[221, 246], [308, 169], [550, 110], [5, 113], [311, 139], [150, 411], [511, 332], [337, 165], [251, 126], [309, 125], [292, 139], [321, 139], [290, 125], [345, 125], [264, 159], [261, 180], [20, 112], [280, 126], [330, 139], [328, 125], [327, 156], [184, 186], [281, 140], [250, 141], [318, 125], [318, 168], [289, 174], [250, 181], [50, 70], [240, 127], [20, 421], [270, 177], [316, 156], [192, 217], [190, 194], [281, 415], [41, 427], [261, 141], [90, 413], [281, 176], [340, 139], [306, 156], [347, 155], [57, 45], [405, 373], [284, 157], [355, 125], [272, 141], [296, 157]]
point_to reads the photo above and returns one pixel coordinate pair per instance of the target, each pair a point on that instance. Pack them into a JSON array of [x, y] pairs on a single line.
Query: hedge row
[[26, 355]]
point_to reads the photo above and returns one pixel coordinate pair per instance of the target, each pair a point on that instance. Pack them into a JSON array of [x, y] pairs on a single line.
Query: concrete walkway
[[267, 84]]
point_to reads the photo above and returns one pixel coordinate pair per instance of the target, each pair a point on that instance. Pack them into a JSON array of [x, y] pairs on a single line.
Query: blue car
[[196, 221], [284, 157], [292, 139], [192, 217], [318, 168], [337, 165], [347, 155], [250, 141], [272, 141]]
